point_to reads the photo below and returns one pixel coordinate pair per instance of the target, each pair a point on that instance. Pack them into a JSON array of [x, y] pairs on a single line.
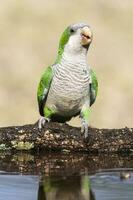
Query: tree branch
[[62, 137]]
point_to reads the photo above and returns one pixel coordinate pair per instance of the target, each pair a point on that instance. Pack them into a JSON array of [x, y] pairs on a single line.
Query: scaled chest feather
[[71, 81], [69, 88]]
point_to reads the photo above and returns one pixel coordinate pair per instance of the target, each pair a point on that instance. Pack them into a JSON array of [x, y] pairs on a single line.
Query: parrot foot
[[42, 122], [84, 128]]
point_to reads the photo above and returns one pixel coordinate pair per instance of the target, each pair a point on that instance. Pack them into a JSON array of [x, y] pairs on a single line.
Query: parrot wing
[[43, 88], [93, 87]]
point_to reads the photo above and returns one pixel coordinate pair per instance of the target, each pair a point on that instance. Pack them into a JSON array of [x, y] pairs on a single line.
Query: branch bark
[[62, 137]]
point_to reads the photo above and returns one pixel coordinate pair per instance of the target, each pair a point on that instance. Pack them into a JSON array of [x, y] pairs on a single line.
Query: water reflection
[[61, 163], [65, 176], [65, 188]]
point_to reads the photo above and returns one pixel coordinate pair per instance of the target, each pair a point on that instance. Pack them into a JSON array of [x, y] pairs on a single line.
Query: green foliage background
[[29, 36]]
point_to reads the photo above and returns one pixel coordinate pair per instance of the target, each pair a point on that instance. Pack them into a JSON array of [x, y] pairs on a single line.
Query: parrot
[[69, 87]]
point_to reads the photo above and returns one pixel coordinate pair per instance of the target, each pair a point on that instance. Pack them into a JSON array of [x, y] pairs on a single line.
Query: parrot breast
[[69, 88]]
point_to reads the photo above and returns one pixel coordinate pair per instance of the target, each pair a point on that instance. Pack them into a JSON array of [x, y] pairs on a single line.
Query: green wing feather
[[93, 87], [43, 88]]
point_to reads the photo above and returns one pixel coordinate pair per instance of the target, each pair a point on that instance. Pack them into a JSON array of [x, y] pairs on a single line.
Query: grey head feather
[[76, 26]]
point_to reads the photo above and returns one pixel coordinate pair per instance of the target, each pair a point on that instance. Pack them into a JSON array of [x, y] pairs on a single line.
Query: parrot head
[[75, 38]]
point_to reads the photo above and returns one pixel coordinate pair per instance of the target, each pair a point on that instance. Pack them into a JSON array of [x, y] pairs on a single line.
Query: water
[[65, 176], [110, 186], [13, 187]]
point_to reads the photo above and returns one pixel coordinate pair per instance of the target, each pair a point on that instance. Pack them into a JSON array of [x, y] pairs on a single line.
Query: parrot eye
[[72, 30]]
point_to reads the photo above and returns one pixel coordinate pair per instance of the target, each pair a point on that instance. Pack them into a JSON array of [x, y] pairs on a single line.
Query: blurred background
[[29, 36]]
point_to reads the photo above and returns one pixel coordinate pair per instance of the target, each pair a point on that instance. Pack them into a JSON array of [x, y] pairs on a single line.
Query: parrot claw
[[84, 129], [42, 122]]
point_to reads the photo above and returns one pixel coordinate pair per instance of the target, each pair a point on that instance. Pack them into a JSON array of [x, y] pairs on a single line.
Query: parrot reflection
[[65, 188]]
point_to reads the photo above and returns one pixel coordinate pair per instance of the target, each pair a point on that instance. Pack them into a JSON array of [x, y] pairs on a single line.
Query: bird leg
[[84, 127], [84, 115], [42, 122]]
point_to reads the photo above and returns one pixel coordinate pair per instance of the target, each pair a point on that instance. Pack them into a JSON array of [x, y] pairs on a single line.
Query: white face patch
[[74, 43]]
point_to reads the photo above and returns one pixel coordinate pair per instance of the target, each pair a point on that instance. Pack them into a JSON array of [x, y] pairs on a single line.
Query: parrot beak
[[86, 35]]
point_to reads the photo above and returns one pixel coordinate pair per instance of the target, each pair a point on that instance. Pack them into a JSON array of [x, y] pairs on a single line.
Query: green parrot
[[69, 87]]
